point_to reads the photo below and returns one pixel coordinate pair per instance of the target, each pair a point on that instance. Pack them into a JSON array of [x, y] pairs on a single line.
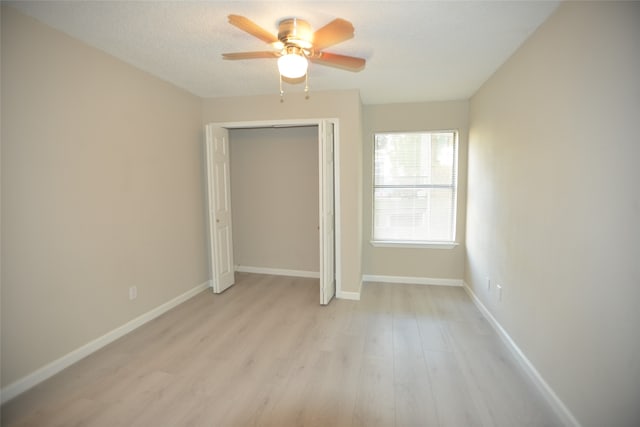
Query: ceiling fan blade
[[250, 55], [350, 63], [334, 32], [245, 24]]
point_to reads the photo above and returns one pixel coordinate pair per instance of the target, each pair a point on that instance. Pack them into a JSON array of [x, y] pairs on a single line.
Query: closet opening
[[272, 193]]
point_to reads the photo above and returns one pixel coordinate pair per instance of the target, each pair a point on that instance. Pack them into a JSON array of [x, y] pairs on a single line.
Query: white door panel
[[219, 206], [327, 220]]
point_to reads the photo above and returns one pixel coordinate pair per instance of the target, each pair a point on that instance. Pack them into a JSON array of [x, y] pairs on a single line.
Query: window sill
[[416, 245]]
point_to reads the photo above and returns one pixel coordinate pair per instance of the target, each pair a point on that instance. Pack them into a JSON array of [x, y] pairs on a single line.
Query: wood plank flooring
[[265, 353]]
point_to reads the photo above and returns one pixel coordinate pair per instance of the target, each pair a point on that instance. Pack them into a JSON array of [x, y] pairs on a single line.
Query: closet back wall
[[274, 197]]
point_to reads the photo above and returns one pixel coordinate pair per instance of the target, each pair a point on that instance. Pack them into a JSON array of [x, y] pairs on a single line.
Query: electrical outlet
[[488, 283], [499, 288], [133, 292]]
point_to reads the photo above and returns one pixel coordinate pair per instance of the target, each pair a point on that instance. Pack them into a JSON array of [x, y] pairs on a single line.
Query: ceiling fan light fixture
[[296, 45], [292, 65]]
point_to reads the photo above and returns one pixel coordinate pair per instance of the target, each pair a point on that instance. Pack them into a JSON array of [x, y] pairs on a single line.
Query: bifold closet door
[[219, 208], [327, 215]]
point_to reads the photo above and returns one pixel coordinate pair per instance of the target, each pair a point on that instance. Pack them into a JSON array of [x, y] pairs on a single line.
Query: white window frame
[[412, 243]]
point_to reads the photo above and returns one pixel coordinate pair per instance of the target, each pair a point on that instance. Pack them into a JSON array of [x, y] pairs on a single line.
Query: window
[[414, 188]]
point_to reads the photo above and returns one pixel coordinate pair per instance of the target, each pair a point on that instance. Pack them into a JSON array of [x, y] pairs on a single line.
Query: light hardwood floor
[[265, 353]]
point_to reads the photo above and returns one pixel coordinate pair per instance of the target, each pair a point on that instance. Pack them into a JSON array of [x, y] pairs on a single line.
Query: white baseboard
[[47, 371], [277, 271], [294, 273], [354, 296], [547, 392], [412, 280]]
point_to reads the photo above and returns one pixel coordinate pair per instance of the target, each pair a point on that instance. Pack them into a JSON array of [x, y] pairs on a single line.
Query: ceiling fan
[[296, 44]]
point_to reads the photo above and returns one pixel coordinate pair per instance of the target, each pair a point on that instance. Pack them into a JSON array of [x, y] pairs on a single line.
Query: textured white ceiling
[[415, 50]]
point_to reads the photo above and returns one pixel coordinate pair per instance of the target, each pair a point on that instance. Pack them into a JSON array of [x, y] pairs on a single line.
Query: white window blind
[[415, 186]]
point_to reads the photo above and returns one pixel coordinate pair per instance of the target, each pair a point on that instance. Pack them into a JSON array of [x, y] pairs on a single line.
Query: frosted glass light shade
[[292, 65]]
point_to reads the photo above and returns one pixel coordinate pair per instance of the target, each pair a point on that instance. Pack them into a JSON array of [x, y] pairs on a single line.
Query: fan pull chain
[[306, 85], [281, 91]]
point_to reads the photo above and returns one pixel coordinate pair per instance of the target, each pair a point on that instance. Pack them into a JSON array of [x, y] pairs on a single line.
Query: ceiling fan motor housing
[[295, 32]]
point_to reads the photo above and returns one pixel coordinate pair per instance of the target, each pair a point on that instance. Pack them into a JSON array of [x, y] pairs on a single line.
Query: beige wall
[[554, 206], [343, 105], [101, 190], [429, 263], [275, 197]]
